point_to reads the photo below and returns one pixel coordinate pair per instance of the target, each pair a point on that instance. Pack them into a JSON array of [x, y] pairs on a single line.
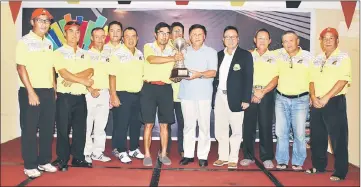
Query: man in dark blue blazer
[[233, 86]]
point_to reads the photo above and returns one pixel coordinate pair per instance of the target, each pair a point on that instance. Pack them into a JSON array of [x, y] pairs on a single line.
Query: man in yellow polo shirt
[[262, 107], [36, 94], [97, 98], [177, 30], [72, 67], [125, 84], [115, 35], [329, 78], [157, 94], [292, 100]]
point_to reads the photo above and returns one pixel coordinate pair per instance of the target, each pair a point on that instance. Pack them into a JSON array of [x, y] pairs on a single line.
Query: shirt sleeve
[[213, 60], [148, 51], [345, 69], [21, 53], [59, 62]]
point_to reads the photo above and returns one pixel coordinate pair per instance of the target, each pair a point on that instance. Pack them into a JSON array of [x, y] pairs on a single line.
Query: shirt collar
[[299, 53], [115, 46], [71, 48], [128, 50], [255, 52], [166, 46], [334, 53], [226, 53], [36, 36]]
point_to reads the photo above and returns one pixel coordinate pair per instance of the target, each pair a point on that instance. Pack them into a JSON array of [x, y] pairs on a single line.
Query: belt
[[292, 96], [156, 82]]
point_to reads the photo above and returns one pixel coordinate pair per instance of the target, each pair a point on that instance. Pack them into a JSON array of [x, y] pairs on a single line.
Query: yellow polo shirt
[[100, 62], [111, 48], [294, 72], [336, 67], [128, 69], [265, 68], [157, 72], [36, 54], [74, 62]]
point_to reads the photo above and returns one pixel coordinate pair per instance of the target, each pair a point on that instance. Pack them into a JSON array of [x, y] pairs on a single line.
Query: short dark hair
[[96, 29], [115, 23], [198, 26], [177, 24], [161, 25], [262, 30], [289, 32], [230, 28], [130, 28]]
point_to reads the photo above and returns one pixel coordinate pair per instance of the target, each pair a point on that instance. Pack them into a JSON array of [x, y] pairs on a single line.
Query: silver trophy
[[179, 70]]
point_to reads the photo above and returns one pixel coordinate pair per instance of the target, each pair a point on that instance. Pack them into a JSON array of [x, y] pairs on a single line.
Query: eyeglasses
[[164, 33], [230, 37], [45, 21], [177, 31]]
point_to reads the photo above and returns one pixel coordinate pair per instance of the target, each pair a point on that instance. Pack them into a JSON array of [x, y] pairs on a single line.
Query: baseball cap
[[70, 24], [40, 11], [328, 29]]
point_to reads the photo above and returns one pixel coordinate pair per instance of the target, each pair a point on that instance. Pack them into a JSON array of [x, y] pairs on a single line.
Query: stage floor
[[115, 173]]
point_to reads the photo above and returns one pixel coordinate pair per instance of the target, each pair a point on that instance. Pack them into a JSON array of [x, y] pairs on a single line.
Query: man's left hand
[[195, 75], [66, 83], [244, 105], [324, 100]]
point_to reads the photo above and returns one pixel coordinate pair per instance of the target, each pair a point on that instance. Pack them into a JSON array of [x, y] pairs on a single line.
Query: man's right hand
[[316, 102], [178, 57], [87, 82], [114, 100], [175, 80], [33, 99]]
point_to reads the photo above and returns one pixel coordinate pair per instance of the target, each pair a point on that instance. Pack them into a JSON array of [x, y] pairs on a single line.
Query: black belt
[[292, 96]]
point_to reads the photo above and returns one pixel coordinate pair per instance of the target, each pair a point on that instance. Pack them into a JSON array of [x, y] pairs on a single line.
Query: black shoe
[[203, 163], [80, 163], [186, 161], [56, 162], [62, 165]]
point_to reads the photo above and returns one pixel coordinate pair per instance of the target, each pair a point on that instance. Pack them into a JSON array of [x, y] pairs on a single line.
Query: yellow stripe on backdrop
[[237, 3]]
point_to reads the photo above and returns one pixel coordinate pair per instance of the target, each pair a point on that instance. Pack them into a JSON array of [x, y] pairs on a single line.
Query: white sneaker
[[124, 158], [47, 168], [101, 158], [32, 173], [136, 154], [88, 158]]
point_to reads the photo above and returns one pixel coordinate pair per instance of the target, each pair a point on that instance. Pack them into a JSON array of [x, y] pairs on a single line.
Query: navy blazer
[[239, 82]]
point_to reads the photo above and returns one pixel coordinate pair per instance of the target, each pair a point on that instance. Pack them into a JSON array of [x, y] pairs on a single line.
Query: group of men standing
[[244, 87]]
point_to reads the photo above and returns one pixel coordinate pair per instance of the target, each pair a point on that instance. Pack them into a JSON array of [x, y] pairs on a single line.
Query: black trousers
[[126, 116], [330, 121], [71, 112], [263, 112], [180, 122], [32, 118]]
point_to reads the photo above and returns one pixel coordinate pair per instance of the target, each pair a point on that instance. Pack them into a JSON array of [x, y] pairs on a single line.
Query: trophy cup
[[179, 70]]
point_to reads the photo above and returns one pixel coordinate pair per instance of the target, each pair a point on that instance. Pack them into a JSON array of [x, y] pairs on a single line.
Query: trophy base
[[180, 73]]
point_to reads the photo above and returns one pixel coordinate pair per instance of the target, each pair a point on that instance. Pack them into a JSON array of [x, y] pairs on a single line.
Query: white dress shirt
[[224, 69]]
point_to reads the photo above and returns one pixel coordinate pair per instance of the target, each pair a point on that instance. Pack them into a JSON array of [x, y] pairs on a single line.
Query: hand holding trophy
[[179, 70]]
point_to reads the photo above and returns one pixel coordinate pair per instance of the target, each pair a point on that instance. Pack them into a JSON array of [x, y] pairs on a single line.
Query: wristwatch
[[202, 76]]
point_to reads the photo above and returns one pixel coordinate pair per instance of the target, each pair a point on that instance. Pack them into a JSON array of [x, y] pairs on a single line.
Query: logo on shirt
[[299, 61], [107, 60], [334, 62], [236, 67]]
